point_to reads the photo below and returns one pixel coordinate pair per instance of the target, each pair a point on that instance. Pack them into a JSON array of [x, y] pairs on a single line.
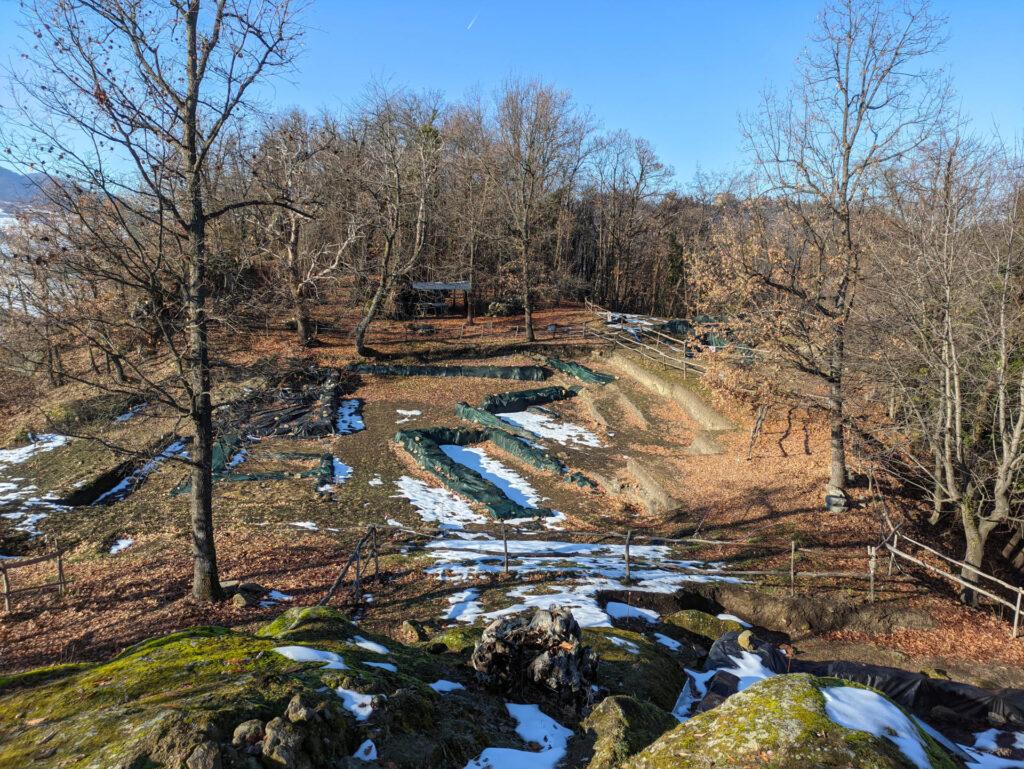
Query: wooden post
[[376, 556], [1016, 613], [792, 567], [504, 542], [7, 590], [629, 536], [359, 574], [60, 573], [871, 570]]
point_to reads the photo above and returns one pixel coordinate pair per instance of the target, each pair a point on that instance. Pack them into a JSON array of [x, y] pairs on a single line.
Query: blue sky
[[678, 73]]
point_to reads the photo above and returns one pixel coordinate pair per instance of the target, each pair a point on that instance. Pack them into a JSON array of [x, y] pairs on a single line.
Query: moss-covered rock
[[309, 623], [701, 624], [458, 640], [630, 663], [620, 727], [778, 723]]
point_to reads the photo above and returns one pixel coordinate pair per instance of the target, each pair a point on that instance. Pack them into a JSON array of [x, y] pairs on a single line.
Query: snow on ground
[[870, 712], [331, 660], [749, 669], [734, 618], [358, 704], [376, 481], [463, 606], [382, 665], [121, 544], [437, 505], [532, 726], [617, 610], [307, 525], [981, 752], [512, 484], [626, 644], [340, 473], [587, 568], [442, 686], [370, 646], [130, 412], [671, 643], [366, 752], [40, 444], [693, 691], [133, 480], [545, 426], [407, 415], [349, 420]]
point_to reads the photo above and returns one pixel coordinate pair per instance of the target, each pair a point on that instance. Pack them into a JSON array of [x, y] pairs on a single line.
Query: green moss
[[651, 673], [459, 640], [309, 623], [778, 723], [40, 675], [701, 624], [621, 726]]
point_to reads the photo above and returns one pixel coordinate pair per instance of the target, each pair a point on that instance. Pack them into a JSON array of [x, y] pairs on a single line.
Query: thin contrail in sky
[[472, 22]]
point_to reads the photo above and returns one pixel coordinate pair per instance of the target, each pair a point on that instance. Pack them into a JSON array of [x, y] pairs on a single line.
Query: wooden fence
[[13, 564]]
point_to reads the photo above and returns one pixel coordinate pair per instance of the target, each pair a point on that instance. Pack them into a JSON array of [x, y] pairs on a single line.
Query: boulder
[[631, 663], [779, 722], [543, 649], [410, 632], [621, 726], [700, 624], [248, 734]]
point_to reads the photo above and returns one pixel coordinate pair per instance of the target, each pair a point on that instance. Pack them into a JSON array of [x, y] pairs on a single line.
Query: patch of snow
[[382, 665], [130, 412], [349, 420], [544, 426], [512, 484], [868, 711], [617, 610], [331, 660], [671, 643], [693, 691], [239, 457], [407, 415], [463, 606], [532, 726], [734, 618], [749, 669], [626, 644], [39, 445], [133, 480], [370, 646], [375, 481], [308, 525], [340, 473], [436, 505], [121, 544], [366, 752], [443, 686], [358, 704]]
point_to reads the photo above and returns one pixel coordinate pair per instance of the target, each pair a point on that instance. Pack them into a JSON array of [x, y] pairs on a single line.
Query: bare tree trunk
[[976, 535], [371, 313], [527, 306], [205, 580], [300, 310], [837, 465], [472, 281]]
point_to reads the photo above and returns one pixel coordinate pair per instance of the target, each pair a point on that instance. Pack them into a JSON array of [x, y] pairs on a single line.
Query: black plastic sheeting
[[524, 373], [580, 371], [425, 448], [503, 403], [915, 692]]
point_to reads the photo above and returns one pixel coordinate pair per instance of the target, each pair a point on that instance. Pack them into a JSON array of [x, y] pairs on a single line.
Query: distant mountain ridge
[[16, 189]]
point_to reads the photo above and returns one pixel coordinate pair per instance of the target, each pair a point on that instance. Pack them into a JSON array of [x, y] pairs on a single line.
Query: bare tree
[[125, 103], [864, 100], [541, 141], [399, 152]]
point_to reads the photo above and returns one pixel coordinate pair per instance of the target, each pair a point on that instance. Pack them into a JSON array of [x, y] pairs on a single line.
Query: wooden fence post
[[792, 567], [629, 537], [892, 551], [60, 573], [871, 570], [1016, 613], [504, 543], [358, 592], [376, 556], [7, 590]]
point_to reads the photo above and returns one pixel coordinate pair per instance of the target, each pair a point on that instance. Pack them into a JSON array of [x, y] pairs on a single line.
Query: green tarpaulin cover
[[525, 373], [503, 403], [580, 371]]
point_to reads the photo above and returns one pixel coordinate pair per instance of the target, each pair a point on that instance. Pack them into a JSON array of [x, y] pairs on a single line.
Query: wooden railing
[[366, 549], [12, 564]]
